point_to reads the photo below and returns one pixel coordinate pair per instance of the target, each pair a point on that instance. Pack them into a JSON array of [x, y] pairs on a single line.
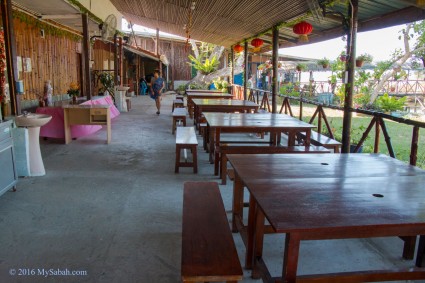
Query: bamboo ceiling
[[227, 22]]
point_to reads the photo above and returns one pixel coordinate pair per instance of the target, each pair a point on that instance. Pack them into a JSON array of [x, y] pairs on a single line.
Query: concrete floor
[[115, 211]]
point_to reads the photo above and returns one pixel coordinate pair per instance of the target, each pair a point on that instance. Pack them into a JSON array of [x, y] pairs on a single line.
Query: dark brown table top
[[224, 102], [206, 94], [344, 194], [342, 205], [249, 120], [203, 91], [278, 167]]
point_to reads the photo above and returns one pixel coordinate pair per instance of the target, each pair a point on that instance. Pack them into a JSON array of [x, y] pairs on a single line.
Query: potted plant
[[324, 62], [301, 67], [181, 89], [389, 104], [364, 58], [73, 92], [107, 80]]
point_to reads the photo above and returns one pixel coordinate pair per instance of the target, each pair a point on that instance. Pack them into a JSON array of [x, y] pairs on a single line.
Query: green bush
[[390, 103]]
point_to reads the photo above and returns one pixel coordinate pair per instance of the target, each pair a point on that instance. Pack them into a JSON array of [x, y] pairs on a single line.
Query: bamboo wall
[[176, 53], [103, 56], [52, 58]]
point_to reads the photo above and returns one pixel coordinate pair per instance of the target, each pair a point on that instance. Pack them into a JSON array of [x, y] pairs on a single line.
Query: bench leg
[[223, 170], [173, 130], [178, 149]]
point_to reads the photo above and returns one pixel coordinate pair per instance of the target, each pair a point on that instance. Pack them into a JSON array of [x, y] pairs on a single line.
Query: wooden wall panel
[[52, 58]]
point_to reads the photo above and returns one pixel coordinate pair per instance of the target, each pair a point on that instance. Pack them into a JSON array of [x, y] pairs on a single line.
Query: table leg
[[67, 127], [291, 138], [307, 137], [421, 251], [237, 209], [108, 127], [290, 257], [216, 153], [211, 144], [195, 114], [258, 232], [249, 259]]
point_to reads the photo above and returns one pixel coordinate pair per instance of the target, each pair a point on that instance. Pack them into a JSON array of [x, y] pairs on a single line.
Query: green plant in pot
[[107, 80], [221, 84], [301, 67], [390, 103], [181, 89], [324, 62], [364, 58]]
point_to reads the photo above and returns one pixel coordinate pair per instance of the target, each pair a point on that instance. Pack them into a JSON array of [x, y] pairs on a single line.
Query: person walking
[[156, 86]]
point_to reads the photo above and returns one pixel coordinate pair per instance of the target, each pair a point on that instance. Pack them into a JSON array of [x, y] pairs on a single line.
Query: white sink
[[122, 88], [32, 120]]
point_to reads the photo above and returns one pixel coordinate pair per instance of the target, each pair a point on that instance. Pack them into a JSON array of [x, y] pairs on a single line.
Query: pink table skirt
[[55, 128]]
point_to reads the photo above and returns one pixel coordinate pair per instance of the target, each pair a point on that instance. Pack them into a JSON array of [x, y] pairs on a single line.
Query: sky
[[378, 43]]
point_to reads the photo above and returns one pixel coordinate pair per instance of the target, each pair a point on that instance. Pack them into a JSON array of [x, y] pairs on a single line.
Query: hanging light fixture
[[257, 43], [238, 48], [303, 29], [188, 26]]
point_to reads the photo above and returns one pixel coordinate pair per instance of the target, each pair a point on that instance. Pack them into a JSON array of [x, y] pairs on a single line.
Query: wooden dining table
[[223, 106], [204, 95], [275, 124], [331, 196]]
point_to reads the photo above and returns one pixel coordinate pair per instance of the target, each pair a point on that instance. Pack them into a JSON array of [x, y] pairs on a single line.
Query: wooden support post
[[414, 146], [232, 77], [11, 65], [86, 57], [117, 79], [120, 62], [349, 88], [246, 75], [275, 59]]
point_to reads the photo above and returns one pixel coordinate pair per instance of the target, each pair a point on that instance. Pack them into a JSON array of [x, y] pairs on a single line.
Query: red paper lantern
[[303, 29], [257, 43], [238, 48]]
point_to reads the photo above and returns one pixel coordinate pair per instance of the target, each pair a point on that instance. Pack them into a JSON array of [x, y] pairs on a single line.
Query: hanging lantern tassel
[[257, 43], [303, 29]]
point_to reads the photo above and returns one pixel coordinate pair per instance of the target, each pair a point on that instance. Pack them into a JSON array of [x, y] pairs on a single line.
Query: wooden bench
[[179, 114], [208, 250], [322, 140], [234, 148], [177, 103], [186, 139]]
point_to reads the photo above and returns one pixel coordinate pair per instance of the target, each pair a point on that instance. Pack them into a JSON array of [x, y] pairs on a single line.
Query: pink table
[[55, 128]]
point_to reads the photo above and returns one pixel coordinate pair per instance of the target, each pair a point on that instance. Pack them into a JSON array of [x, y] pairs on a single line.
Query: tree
[[413, 31], [206, 61]]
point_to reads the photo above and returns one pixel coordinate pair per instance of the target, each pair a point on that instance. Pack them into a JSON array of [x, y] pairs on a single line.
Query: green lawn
[[400, 134]]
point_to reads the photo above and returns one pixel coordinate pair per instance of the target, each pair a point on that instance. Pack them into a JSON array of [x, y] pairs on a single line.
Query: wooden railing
[[378, 119]]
